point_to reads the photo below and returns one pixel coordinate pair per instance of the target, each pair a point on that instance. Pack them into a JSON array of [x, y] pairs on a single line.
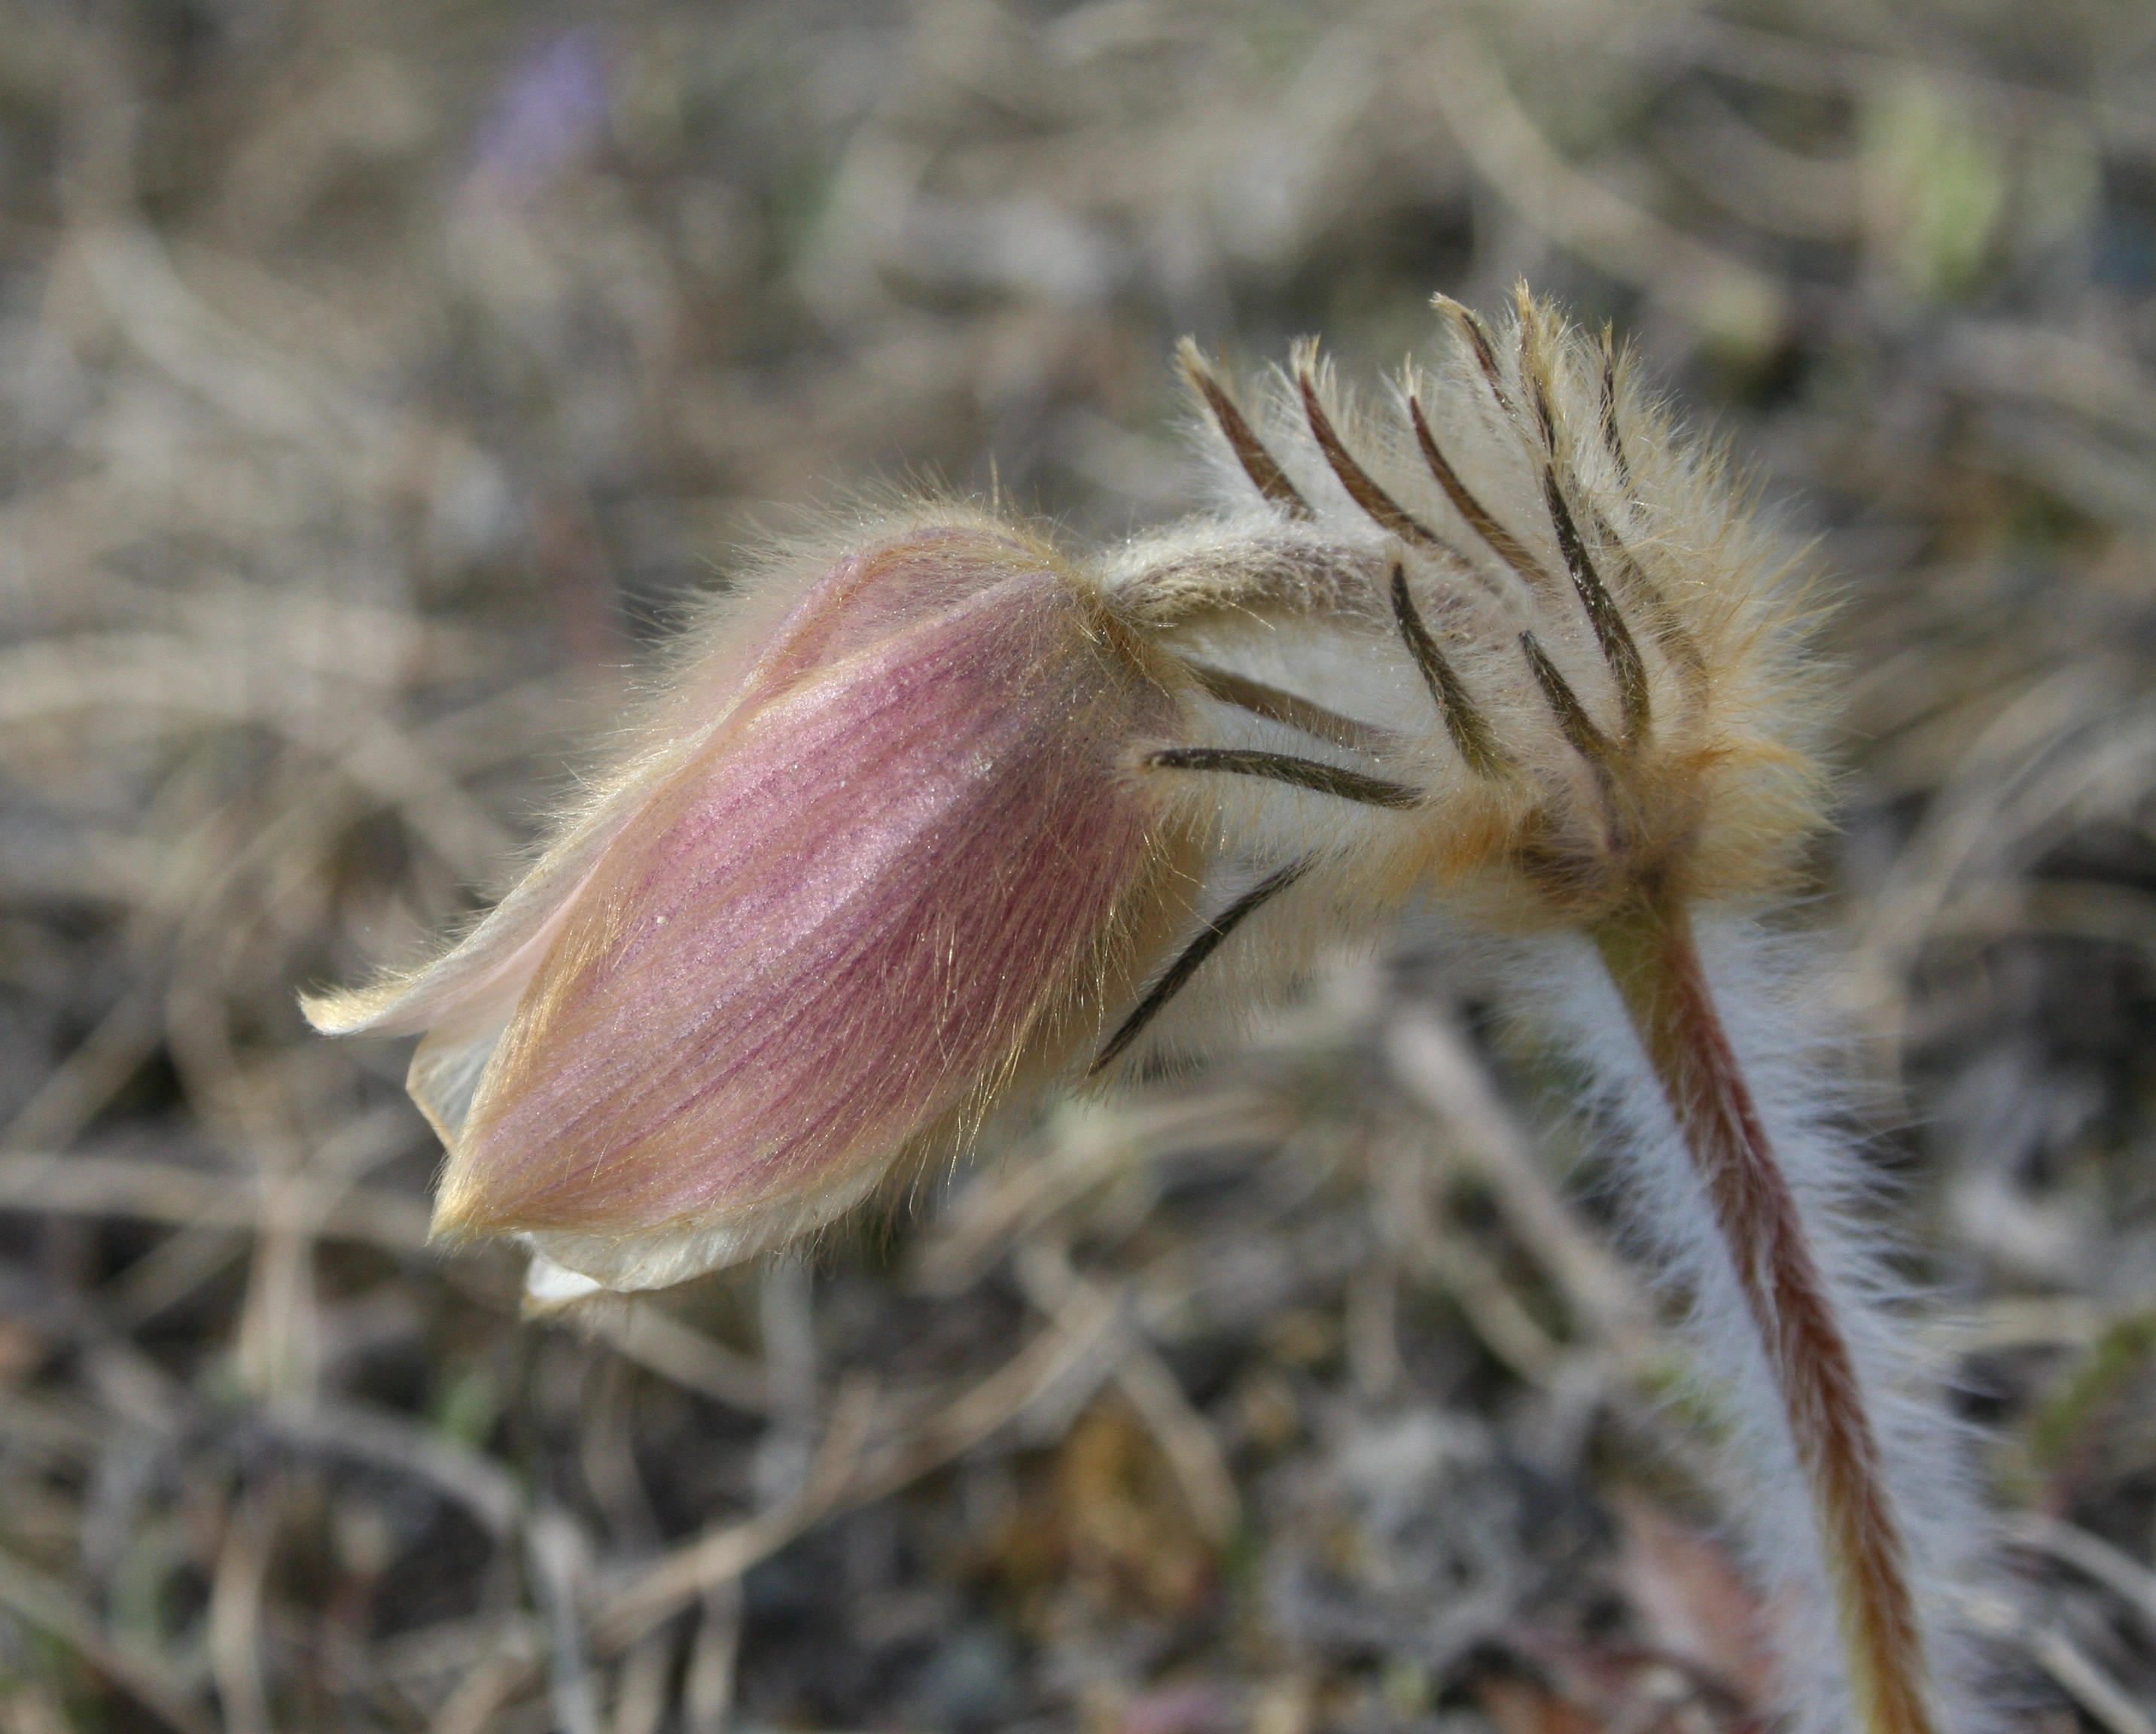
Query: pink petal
[[493, 962], [839, 922], [754, 650]]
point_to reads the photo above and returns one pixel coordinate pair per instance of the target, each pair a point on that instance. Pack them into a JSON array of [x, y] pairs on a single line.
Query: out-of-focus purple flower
[[551, 109]]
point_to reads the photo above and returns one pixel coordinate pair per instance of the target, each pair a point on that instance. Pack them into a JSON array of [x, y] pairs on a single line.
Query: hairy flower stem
[[1649, 950]]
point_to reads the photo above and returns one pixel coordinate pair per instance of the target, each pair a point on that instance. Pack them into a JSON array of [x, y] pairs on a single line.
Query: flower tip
[[340, 1011], [477, 1196], [551, 1288], [461, 1212]]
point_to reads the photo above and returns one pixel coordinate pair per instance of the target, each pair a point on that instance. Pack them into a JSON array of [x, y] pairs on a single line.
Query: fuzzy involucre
[[1600, 677]]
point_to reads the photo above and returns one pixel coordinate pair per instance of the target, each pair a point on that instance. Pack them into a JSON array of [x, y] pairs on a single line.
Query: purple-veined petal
[[835, 929], [808, 619]]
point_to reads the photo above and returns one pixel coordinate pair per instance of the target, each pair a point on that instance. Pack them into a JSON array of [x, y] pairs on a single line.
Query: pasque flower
[[880, 857], [936, 814]]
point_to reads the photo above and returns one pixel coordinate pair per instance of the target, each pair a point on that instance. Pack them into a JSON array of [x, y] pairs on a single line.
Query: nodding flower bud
[[883, 855], [915, 824]]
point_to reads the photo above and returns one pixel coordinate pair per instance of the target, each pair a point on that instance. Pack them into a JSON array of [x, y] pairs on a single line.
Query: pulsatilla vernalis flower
[[929, 820], [915, 821], [885, 856]]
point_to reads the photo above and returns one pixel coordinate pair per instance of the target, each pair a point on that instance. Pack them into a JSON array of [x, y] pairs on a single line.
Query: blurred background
[[378, 378]]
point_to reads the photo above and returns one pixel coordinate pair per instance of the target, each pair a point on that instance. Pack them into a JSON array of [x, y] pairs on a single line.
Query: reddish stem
[[1651, 957]]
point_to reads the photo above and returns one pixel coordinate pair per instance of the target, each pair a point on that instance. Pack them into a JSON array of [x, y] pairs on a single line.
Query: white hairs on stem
[[1768, 997]]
